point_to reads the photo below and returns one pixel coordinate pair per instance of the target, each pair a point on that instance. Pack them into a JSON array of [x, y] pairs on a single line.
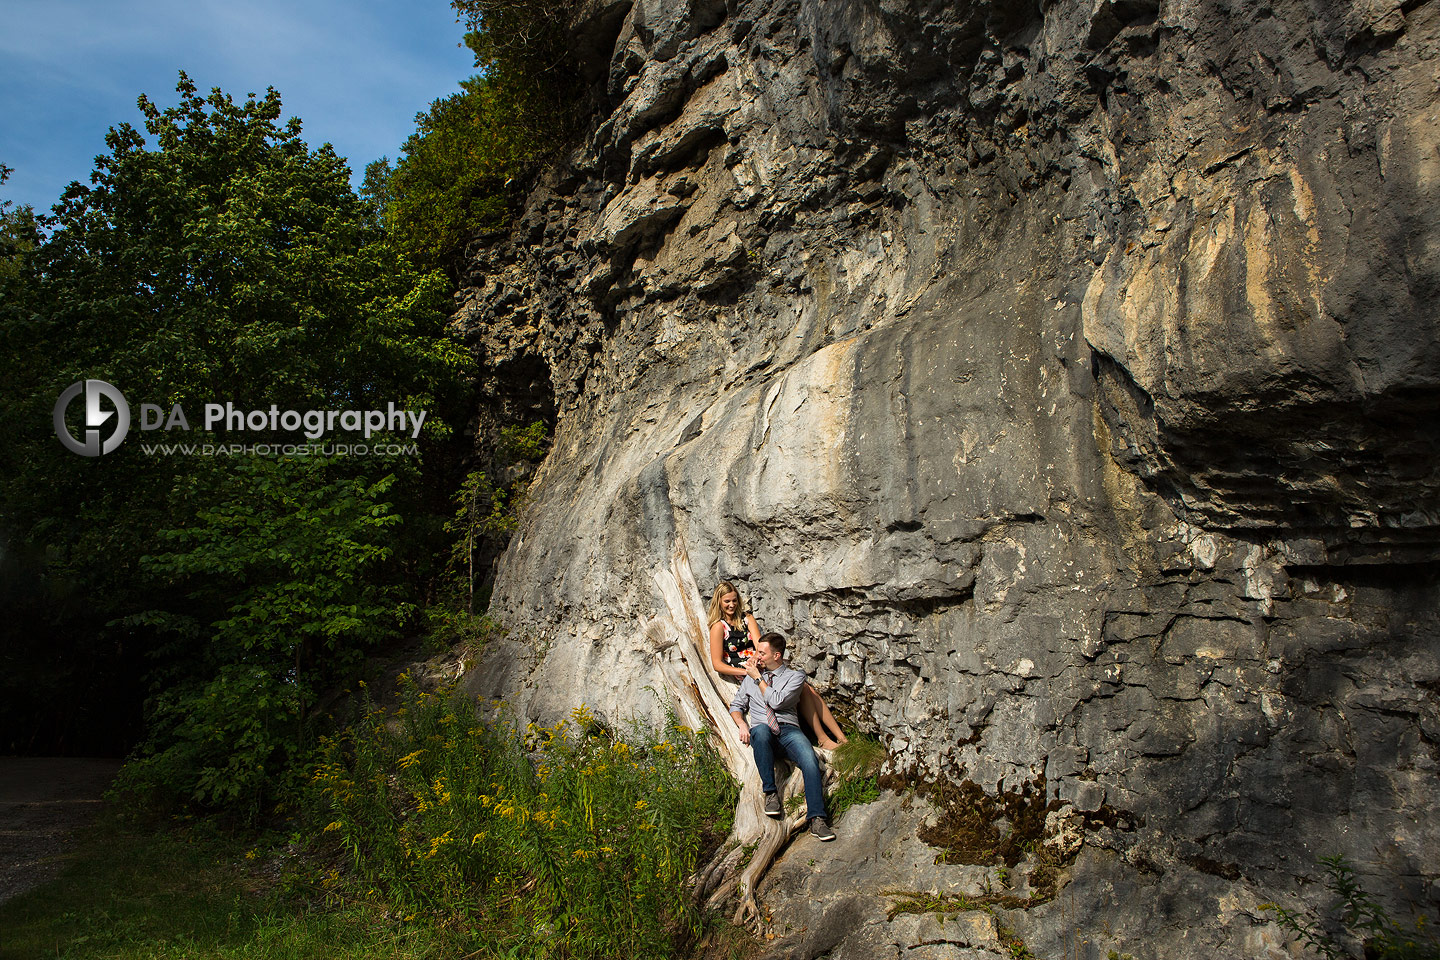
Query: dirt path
[[42, 799]]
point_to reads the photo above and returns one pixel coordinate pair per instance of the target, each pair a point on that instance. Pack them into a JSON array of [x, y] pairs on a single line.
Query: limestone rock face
[[1062, 377]]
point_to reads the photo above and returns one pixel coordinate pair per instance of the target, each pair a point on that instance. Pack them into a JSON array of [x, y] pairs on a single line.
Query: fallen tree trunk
[[703, 700]]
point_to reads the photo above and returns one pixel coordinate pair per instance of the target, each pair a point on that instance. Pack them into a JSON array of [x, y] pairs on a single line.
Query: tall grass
[[569, 840]]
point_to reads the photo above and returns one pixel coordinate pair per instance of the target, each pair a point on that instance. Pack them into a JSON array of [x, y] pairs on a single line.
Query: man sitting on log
[[764, 710]]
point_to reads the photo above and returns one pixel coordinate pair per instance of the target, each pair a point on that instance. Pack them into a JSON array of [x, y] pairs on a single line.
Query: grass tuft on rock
[[857, 767]]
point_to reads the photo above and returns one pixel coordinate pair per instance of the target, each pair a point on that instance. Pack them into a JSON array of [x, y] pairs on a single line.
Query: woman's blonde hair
[[721, 592]]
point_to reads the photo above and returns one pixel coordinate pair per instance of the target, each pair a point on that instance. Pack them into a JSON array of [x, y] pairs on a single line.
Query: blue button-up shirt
[[783, 696]]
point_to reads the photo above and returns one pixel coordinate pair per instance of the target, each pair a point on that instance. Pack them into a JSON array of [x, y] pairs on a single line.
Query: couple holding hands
[[772, 701]]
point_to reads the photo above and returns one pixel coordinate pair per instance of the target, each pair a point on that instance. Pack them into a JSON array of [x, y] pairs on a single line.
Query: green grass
[[134, 893]]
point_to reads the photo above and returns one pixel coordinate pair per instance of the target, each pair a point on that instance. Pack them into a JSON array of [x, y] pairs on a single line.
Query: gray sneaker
[[772, 806], [820, 829]]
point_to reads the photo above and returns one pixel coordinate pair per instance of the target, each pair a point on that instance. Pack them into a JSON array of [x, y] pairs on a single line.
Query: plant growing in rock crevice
[[488, 505], [969, 828], [945, 904], [1000, 830], [1367, 921]]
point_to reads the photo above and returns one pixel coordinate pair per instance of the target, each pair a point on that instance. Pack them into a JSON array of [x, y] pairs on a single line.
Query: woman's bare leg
[[829, 719], [815, 713]]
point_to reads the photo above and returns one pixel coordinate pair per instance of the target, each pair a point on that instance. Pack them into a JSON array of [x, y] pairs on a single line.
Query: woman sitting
[[733, 632]]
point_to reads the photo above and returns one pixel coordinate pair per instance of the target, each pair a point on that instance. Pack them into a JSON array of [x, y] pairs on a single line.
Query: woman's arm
[[717, 660], [752, 628]]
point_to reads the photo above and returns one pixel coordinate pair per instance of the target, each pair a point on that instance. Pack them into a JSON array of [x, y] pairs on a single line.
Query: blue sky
[[355, 72]]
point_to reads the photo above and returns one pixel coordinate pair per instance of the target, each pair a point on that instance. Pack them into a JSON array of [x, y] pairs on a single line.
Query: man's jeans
[[798, 749]]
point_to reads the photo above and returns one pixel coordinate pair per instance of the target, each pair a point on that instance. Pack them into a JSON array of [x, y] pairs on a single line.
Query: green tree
[[233, 255], [19, 231], [221, 260], [284, 559], [465, 168]]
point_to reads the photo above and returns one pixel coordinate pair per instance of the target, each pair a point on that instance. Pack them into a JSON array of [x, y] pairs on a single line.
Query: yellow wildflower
[[437, 842]]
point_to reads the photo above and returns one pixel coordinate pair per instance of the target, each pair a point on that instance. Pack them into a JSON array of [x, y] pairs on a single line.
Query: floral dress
[[736, 645]]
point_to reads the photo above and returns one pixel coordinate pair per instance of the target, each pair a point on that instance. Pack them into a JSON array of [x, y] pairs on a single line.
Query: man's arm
[[740, 703], [739, 707], [784, 693], [744, 727]]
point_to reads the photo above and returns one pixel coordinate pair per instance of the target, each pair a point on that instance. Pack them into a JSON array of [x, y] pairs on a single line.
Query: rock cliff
[[1063, 377]]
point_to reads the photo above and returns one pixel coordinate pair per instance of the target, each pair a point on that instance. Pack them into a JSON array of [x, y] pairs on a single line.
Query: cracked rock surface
[[1063, 378]]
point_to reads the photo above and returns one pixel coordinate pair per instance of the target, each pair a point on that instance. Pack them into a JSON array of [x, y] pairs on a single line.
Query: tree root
[[717, 880], [747, 912]]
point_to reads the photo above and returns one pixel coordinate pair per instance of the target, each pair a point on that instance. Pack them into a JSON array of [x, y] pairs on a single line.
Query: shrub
[[291, 553]]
